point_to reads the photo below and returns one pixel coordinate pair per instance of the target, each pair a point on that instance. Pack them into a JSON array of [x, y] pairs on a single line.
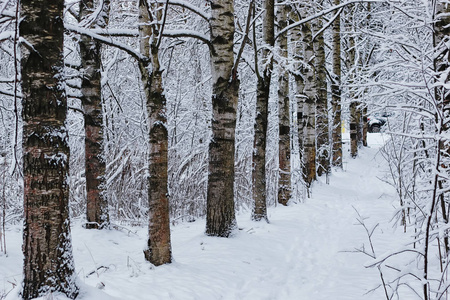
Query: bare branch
[[328, 24], [188, 6], [115, 32], [166, 7], [6, 93], [108, 41], [322, 13], [247, 30], [188, 33]]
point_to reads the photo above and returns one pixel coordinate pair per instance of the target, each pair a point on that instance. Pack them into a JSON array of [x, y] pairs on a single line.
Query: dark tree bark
[[441, 39], [442, 65], [299, 84], [441, 60], [322, 124], [220, 214], [259, 211], [336, 93], [355, 115], [159, 250], [284, 143], [309, 96], [365, 126], [353, 129], [359, 124], [47, 247], [90, 51], [261, 118], [365, 123]]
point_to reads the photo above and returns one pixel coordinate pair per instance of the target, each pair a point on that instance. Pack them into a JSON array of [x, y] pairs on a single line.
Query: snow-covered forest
[[219, 149]]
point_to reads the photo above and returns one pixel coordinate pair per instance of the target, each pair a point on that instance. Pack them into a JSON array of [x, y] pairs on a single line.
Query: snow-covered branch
[[167, 33], [105, 40], [7, 93], [188, 6], [322, 13], [116, 32], [188, 33], [6, 35]]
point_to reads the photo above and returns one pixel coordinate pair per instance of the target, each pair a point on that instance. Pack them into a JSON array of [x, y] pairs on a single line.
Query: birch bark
[[90, 52], [297, 39], [309, 105], [261, 121], [159, 250], [284, 144], [47, 246], [336, 93], [220, 214], [322, 123]]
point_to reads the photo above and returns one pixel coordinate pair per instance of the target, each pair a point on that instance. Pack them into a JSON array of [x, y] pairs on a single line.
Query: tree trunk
[[284, 143], [441, 61], [220, 214], [442, 95], [259, 151], [90, 53], [309, 108], [354, 104], [336, 93], [365, 123], [359, 124], [47, 246], [158, 249], [297, 38], [261, 121], [353, 129], [323, 143], [365, 126]]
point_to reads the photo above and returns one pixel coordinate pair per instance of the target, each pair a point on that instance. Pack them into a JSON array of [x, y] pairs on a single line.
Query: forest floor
[[308, 250]]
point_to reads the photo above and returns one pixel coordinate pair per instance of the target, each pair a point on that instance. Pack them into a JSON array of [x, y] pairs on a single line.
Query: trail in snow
[[306, 252]]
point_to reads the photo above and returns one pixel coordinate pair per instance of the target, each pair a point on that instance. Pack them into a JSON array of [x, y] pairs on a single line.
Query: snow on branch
[[188, 6], [188, 33], [6, 35], [108, 41], [6, 80], [322, 13], [8, 13], [116, 32], [11, 94], [166, 33]]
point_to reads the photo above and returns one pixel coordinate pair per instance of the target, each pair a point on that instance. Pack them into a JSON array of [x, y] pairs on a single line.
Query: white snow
[[306, 252]]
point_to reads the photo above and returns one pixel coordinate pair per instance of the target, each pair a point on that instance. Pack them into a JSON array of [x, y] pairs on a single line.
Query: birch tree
[[262, 102], [220, 214], [296, 36], [439, 201], [357, 57], [91, 96], [47, 247], [336, 92], [151, 22], [284, 144], [351, 67], [309, 95], [322, 123]]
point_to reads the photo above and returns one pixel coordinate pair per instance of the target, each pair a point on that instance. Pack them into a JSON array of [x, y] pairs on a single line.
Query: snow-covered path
[[304, 253]]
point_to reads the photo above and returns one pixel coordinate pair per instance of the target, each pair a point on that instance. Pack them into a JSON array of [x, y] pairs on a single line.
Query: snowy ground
[[306, 252]]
